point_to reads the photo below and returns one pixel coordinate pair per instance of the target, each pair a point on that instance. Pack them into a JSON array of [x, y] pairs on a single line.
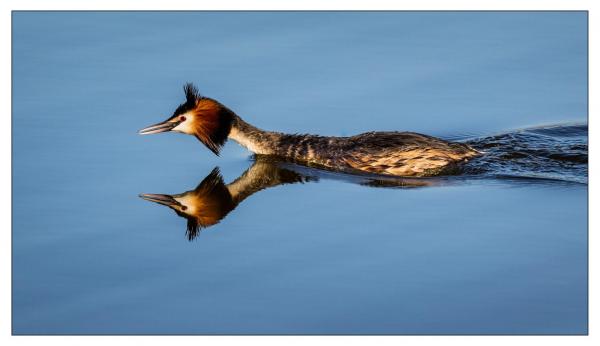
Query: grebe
[[212, 200], [389, 153]]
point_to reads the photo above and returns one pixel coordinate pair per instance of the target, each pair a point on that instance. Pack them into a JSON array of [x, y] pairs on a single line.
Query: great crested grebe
[[212, 200], [389, 153]]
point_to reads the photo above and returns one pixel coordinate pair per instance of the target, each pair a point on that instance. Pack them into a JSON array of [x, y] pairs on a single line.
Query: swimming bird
[[212, 199], [405, 154]]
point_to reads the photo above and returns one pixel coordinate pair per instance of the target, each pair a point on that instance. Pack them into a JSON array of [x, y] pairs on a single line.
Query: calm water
[[499, 249]]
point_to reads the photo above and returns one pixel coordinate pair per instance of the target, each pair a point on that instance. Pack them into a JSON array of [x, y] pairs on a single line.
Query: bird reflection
[[212, 200]]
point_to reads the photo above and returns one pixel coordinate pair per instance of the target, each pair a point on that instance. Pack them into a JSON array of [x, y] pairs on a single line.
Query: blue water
[[500, 249]]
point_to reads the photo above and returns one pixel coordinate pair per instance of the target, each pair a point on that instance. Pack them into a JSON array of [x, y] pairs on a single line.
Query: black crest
[[191, 92], [191, 96]]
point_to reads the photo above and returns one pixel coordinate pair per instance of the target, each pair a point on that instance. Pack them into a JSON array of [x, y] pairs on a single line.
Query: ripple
[[555, 152]]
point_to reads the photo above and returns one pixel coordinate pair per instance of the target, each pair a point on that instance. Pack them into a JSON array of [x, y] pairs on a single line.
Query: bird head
[[204, 206], [199, 116]]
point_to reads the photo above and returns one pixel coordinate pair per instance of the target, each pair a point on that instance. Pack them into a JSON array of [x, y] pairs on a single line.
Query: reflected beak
[[160, 199], [158, 128]]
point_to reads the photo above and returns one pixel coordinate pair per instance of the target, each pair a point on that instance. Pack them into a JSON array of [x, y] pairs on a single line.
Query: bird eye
[[182, 118], [183, 207]]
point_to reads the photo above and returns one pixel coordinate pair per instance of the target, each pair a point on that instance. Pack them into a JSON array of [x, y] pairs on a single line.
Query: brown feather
[[212, 123]]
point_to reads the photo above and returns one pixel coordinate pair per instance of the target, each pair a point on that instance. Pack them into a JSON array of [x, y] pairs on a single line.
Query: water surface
[[499, 249]]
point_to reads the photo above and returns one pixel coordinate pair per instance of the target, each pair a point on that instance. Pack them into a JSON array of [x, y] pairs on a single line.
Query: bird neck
[[261, 175], [309, 148], [254, 139]]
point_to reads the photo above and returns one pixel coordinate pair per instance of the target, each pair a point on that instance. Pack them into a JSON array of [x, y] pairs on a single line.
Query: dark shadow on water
[[549, 156]]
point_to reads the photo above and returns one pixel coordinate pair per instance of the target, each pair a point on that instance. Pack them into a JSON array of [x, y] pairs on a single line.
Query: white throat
[[246, 141]]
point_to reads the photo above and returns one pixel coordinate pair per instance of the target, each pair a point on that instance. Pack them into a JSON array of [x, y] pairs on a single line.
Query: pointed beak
[[167, 200], [158, 128]]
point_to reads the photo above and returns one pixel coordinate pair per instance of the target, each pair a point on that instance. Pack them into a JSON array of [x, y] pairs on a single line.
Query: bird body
[[389, 153], [405, 154]]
